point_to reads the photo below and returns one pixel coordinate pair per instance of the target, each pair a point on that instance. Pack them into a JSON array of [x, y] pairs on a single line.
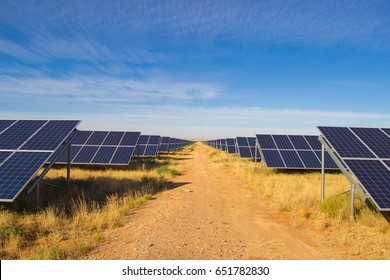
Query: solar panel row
[[292, 152], [25, 146], [102, 148], [147, 145], [365, 152]]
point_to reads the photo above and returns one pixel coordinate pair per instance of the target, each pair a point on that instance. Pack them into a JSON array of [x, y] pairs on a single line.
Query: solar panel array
[[292, 152], [231, 145], [366, 154], [102, 147], [246, 147], [25, 146], [147, 145], [164, 144]]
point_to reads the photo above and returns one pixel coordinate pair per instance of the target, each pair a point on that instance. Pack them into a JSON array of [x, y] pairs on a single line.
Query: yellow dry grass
[[69, 224], [299, 194]]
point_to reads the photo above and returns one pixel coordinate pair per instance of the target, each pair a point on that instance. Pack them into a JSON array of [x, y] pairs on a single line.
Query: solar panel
[[123, 155], [113, 138], [147, 146], [48, 137], [101, 148], [375, 177], [130, 139], [230, 146], [4, 156], [246, 147], [26, 146], [283, 142], [19, 133], [97, 138], [346, 143], [365, 153], [375, 139], [5, 124], [292, 152], [104, 155], [17, 171], [164, 144], [273, 158]]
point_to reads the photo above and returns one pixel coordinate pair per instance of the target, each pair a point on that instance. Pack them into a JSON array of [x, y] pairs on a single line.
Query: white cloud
[[213, 122], [106, 89]]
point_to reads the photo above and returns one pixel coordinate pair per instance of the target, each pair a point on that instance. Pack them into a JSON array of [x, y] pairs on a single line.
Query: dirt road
[[209, 215]]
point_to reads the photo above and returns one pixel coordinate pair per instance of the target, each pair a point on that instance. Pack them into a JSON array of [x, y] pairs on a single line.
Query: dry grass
[[68, 224], [299, 193]]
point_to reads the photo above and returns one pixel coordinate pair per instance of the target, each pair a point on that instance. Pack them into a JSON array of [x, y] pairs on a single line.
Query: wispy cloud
[[106, 89], [216, 122]]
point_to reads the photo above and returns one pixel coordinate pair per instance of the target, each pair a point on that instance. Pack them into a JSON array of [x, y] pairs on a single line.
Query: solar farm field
[[194, 203]]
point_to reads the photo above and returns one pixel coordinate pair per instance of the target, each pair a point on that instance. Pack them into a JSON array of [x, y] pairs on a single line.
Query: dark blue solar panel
[[50, 136], [154, 140], [266, 141], [17, 134], [242, 141], [130, 139], [291, 159], [151, 151], [245, 152], [5, 123], [86, 154], [345, 142], [104, 155], [64, 156], [81, 137], [113, 138], [231, 149], [140, 150], [387, 162], [309, 159], [273, 159], [17, 171], [253, 151], [282, 142], [97, 138], [143, 139], [4, 155], [252, 141], [329, 162], [375, 178], [230, 141], [375, 139], [164, 148], [314, 142], [223, 147], [165, 140], [387, 130], [123, 155], [299, 142]]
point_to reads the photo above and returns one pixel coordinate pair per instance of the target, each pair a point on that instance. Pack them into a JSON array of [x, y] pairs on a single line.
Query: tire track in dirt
[[209, 215]]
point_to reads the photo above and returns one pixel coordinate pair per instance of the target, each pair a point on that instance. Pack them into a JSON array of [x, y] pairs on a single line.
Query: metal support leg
[[323, 173], [352, 208], [37, 193], [68, 171]]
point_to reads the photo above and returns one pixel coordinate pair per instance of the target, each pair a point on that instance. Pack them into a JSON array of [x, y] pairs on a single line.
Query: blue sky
[[197, 69]]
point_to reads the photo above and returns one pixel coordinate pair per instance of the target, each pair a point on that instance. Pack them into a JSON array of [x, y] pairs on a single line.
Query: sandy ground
[[209, 215]]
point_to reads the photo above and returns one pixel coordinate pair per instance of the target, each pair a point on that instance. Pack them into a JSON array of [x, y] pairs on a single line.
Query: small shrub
[[165, 169], [10, 229]]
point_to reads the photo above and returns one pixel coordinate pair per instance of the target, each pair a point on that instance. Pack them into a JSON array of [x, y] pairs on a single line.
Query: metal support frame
[[68, 170], [354, 185], [352, 208], [66, 144]]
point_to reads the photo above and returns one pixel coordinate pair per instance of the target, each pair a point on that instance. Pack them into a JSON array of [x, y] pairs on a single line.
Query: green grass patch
[[165, 169]]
